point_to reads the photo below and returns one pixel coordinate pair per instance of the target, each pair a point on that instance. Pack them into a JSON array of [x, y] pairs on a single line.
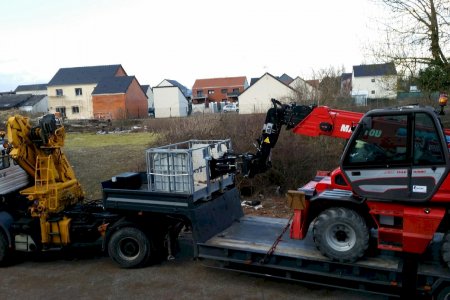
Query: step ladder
[[45, 181], [390, 228], [55, 232]]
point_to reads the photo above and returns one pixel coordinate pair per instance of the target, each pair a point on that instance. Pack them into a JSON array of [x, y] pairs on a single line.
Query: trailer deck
[[245, 245]]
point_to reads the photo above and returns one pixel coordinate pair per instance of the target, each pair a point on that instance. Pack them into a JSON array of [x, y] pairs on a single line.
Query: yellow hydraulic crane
[[38, 150]]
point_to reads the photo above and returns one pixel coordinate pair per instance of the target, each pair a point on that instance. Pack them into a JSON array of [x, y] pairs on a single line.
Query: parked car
[[232, 107]]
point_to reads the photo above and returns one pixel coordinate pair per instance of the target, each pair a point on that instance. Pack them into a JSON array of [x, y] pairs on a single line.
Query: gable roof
[[113, 85], [145, 88], [267, 74], [83, 75], [12, 101], [285, 78], [219, 82], [31, 87], [374, 70], [253, 80], [345, 76], [186, 92], [34, 99]]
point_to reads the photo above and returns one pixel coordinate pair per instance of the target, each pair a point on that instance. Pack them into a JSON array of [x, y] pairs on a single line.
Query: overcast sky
[[180, 39]]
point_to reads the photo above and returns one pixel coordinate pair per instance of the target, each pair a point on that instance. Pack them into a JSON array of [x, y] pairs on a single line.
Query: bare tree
[[329, 85], [416, 33]]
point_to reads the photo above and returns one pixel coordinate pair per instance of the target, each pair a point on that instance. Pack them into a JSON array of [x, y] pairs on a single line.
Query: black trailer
[[223, 237]]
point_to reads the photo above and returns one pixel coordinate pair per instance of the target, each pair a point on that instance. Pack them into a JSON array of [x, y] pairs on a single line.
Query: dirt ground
[[97, 277]]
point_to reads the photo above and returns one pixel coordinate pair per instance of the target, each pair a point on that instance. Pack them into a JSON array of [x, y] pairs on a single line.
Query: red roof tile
[[219, 82]]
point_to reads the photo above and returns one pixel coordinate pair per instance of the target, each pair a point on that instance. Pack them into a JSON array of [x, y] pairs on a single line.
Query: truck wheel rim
[[129, 248], [341, 237]]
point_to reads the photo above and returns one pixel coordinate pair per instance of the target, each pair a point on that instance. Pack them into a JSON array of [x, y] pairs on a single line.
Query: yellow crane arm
[[38, 150]]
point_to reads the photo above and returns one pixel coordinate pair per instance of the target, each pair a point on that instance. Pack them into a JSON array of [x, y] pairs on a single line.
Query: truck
[[377, 223]]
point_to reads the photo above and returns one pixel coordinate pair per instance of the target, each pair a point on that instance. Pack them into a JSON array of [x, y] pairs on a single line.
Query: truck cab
[[397, 154]]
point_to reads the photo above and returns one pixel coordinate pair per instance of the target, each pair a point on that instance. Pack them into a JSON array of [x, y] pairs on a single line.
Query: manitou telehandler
[[393, 177]]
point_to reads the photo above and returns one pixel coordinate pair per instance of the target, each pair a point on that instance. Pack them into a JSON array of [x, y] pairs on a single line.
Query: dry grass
[[96, 158], [295, 158]]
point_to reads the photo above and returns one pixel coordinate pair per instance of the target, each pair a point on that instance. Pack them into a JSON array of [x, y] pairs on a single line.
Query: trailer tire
[[341, 234], [4, 249], [130, 247]]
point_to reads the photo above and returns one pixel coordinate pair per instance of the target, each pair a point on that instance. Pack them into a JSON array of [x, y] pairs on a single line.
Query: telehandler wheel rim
[[129, 248], [340, 237]]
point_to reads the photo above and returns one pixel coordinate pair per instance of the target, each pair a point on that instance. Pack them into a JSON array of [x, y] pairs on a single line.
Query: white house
[[256, 98], [170, 99], [377, 81]]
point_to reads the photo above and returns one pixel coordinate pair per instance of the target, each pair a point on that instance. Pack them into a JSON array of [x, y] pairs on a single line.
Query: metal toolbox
[[184, 168]]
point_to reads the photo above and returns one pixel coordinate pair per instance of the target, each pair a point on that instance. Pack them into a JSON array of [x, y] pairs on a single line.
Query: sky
[[181, 40]]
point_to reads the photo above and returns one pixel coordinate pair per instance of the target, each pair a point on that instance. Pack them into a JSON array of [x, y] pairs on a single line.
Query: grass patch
[[92, 140], [96, 158]]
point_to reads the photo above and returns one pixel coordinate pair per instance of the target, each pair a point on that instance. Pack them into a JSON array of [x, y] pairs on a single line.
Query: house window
[[61, 110], [75, 110], [210, 92], [373, 92], [200, 93], [373, 80], [224, 91], [59, 92], [78, 91], [236, 90]]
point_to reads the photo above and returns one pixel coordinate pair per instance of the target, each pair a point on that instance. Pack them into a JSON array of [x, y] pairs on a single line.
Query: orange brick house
[[226, 89], [119, 98]]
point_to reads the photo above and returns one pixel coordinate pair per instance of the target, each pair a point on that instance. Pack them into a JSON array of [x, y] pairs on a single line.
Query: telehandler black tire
[[130, 247], [445, 249], [341, 234]]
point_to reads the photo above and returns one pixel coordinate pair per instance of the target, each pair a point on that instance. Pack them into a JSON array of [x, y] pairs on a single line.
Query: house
[[171, 99], [12, 101], [24, 102], [376, 81], [149, 92], [119, 97], [35, 104], [70, 90], [35, 89], [224, 89], [256, 98], [304, 90]]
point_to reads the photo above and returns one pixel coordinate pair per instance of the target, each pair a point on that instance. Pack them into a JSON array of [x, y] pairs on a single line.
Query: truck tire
[[341, 234], [444, 294], [445, 249], [4, 249], [129, 247]]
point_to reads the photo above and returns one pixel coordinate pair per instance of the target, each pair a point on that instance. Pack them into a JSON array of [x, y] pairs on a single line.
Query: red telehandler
[[393, 178]]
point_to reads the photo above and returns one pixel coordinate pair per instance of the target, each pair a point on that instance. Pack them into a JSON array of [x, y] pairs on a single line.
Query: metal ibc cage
[[184, 168]]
